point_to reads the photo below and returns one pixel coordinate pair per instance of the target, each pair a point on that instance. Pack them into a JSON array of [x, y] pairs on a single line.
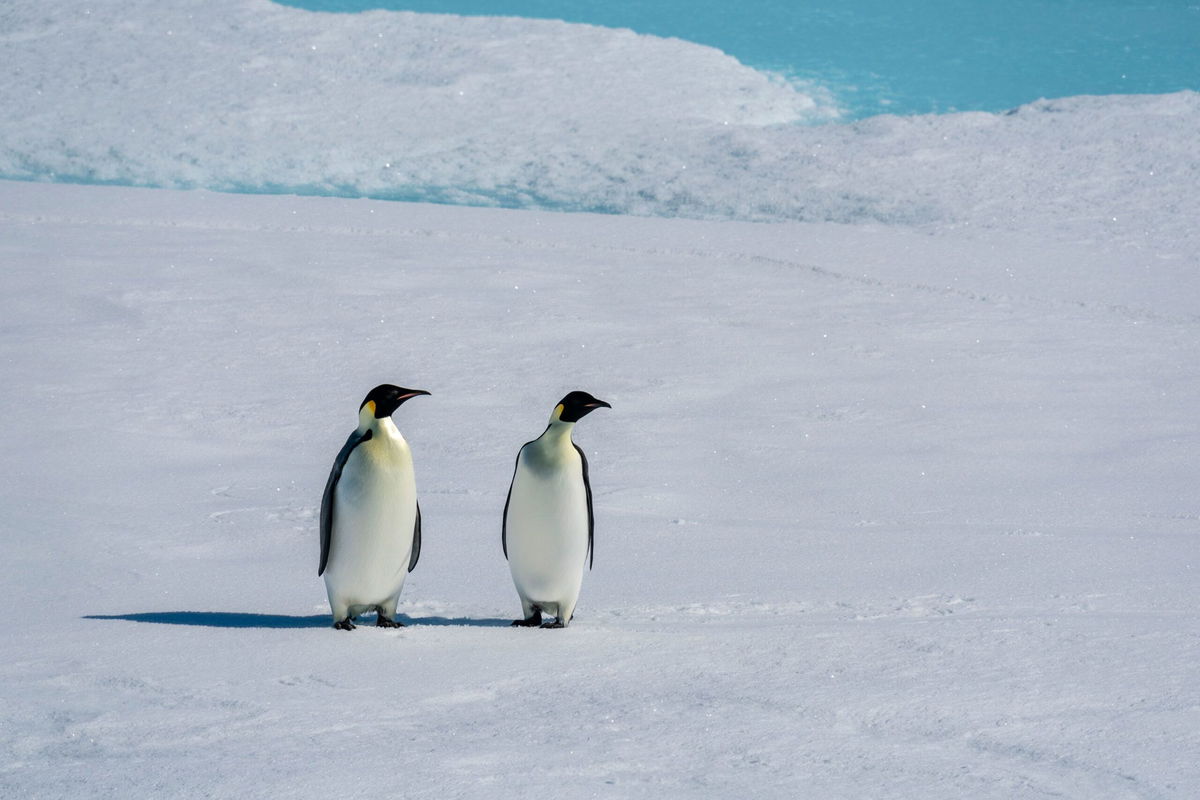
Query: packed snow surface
[[878, 513], [897, 496]]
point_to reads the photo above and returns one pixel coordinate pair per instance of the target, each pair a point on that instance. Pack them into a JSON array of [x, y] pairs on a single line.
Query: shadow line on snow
[[236, 619]]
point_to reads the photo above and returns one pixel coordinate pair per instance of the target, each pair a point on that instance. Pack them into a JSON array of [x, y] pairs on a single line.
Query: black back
[[335, 475], [587, 488]]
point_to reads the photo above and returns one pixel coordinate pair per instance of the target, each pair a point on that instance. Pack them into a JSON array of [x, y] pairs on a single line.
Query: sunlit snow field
[[897, 497]]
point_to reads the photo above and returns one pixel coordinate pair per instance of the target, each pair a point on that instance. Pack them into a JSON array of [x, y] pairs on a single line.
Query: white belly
[[546, 530], [375, 511]]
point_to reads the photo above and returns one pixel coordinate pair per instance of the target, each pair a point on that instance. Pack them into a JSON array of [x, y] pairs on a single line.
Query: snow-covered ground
[[898, 497], [880, 513]]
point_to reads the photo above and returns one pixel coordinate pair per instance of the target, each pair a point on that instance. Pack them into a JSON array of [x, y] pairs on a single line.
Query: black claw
[[555, 624], [385, 622], [344, 625]]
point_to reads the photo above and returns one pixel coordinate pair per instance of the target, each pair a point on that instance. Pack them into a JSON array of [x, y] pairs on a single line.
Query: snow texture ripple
[[878, 513]]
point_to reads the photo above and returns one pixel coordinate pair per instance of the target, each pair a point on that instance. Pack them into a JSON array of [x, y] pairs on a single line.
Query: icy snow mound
[[251, 96]]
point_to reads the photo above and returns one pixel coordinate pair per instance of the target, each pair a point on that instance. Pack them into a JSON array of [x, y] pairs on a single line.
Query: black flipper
[[587, 487], [416, 545], [504, 518], [335, 475]]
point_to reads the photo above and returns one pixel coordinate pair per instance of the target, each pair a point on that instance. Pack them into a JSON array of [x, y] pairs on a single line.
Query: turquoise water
[[905, 56]]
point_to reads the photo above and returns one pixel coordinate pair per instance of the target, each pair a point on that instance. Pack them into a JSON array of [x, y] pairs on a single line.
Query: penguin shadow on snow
[[235, 619]]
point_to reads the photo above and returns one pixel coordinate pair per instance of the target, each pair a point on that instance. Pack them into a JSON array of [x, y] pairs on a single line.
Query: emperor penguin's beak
[[412, 393]]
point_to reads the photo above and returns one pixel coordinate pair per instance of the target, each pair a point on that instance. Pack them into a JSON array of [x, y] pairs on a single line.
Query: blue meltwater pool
[[904, 56]]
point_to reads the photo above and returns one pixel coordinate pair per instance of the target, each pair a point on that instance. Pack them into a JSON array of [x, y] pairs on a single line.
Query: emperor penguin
[[548, 522], [370, 520]]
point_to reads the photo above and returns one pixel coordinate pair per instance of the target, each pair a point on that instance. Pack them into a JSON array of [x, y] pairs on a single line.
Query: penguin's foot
[[345, 625], [532, 622], [558, 623], [384, 622]]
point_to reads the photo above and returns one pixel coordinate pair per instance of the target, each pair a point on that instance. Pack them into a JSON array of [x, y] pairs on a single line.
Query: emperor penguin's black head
[[576, 405], [385, 398]]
